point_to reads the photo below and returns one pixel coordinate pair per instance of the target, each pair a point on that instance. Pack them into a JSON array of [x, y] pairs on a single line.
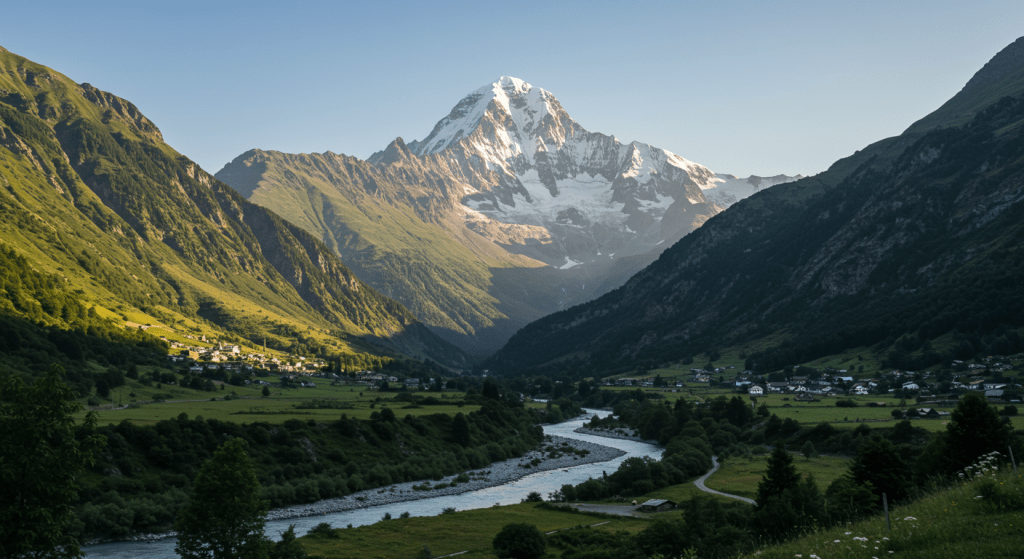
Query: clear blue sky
[[742, 87]]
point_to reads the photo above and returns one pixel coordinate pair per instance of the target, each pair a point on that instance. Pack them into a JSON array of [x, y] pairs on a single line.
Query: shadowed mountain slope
[[913, 239]]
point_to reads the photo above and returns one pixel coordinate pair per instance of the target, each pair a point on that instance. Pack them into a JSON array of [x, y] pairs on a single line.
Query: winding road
[[631, 510], [714, 468]]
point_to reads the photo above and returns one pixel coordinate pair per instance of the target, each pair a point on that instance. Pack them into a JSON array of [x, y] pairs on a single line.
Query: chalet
[[657, 505], [756, 390], [778, 386], [860, 390], [911, 386]]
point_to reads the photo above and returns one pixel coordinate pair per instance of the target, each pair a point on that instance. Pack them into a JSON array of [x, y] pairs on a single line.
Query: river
[[506, 494]]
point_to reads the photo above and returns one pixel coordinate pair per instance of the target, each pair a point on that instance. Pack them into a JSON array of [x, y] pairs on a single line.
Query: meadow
[[470, 532], [979, 518], [246, 404]]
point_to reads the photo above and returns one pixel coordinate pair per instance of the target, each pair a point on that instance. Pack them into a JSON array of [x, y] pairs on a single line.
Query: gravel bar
[[630, 436], [498, 473]]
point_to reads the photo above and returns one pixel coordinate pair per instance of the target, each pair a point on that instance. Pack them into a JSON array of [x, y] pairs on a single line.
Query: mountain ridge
[[902, 245], [518, 216], [132, 222]]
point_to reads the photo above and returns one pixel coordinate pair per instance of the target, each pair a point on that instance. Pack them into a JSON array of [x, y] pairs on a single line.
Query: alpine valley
[[507, 211]]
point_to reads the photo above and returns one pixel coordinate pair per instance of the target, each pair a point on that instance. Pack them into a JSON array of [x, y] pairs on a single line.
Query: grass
[[740, 476], [471, 531], [252, 407], [980, 518]]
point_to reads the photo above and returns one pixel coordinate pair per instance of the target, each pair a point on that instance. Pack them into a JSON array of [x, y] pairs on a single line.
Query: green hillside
[[394, 225], [94, 201]]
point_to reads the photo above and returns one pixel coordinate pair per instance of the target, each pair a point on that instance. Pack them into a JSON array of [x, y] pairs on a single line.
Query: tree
[[289, 547], [974, 429], [848, 500], [879, 463], [808, 450], [779, 476], [785, 504], [519, 541], [266, 391], [41, 455], [460, 429], [224, 515]]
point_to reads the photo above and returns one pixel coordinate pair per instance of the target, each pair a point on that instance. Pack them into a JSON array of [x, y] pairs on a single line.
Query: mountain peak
[[511, 101]]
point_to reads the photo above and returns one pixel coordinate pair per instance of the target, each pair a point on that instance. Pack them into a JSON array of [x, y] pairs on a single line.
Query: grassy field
[[250, 406], [810, 413], [740, 476], [469, 531], [964, 521]]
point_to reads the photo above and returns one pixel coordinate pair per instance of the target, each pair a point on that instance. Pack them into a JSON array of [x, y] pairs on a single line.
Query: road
[[714, 468]]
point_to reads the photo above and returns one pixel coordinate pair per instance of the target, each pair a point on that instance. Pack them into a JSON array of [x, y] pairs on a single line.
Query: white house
[[756, 390]]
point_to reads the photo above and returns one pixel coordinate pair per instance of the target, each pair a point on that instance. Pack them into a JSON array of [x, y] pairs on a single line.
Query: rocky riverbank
[[624, 433], [573, 452]]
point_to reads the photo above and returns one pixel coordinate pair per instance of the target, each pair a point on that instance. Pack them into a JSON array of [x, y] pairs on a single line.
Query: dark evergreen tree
[[225, 514], [41, 456], [519, 541], [460, 429], [878, 462], [975, 428], [779, 476]]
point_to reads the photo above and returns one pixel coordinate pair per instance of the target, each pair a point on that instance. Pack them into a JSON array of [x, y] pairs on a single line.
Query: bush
[[519, 541], [846, 404], [322, 530]]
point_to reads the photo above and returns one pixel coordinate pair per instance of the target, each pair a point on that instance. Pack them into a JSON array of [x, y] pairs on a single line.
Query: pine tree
[[780, 475], [224, 515], [40, 459]]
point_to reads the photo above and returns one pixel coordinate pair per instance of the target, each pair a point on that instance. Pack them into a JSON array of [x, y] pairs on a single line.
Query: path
[[714, 468]]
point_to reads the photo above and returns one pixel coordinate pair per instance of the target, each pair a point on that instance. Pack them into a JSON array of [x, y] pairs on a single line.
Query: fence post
[[885, 505], [1012, 459]]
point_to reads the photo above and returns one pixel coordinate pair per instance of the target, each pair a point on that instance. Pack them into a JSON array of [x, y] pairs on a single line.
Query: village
[[987, 375]]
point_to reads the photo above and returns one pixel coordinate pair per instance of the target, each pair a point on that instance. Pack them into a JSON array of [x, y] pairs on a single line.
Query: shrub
[[519, 541], [322, 530]]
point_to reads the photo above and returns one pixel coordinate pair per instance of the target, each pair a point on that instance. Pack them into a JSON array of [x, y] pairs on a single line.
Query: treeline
[[900, 463], [691, 435], [141, 480], [42, 322]]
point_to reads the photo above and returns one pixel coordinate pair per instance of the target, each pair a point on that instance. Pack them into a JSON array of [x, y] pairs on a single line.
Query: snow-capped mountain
[[506, 211], [574, 196], [726, 190]]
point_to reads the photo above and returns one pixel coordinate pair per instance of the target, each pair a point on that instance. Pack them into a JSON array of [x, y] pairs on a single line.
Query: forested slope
[[913, 240]]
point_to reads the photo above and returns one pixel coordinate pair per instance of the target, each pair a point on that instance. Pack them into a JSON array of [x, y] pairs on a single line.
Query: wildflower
[[837, 541], [860, 539], [910, 518], [848, 533]]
